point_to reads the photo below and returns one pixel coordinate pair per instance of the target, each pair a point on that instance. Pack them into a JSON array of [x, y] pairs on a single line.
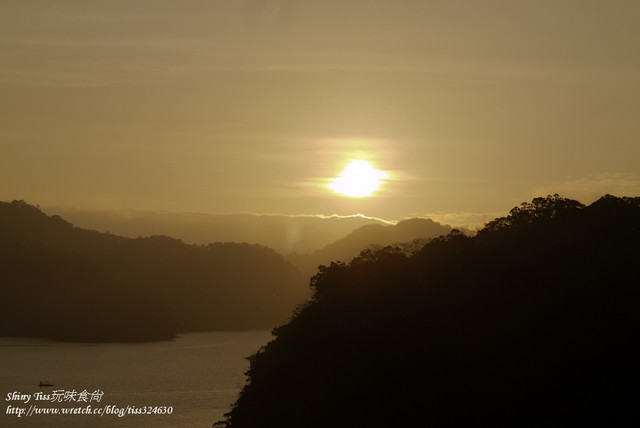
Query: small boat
[[45, 383]]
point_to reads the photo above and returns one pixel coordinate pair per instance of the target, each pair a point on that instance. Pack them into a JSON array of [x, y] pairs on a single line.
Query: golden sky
[[228, 106]]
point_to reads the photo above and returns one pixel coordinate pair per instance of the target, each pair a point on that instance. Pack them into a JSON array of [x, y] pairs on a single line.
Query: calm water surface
[[198, 374]]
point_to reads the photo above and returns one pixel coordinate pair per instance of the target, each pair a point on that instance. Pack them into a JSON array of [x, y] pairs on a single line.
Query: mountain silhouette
[[283, 233], [532, 322], [372, 235], [66, 283]]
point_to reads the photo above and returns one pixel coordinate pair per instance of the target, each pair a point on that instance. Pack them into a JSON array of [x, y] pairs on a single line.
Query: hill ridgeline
[[66, 283]]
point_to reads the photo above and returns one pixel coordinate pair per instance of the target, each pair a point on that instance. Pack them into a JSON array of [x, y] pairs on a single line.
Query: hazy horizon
[[462, 108], [284, 233]]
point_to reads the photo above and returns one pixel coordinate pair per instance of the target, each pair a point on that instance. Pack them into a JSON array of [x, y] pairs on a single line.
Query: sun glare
[[359, 179]]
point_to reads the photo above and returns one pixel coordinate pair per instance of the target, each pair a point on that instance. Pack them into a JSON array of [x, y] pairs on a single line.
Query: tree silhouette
[[532, 321]]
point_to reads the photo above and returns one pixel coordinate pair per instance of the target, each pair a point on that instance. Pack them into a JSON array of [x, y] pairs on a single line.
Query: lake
[[197, 377]]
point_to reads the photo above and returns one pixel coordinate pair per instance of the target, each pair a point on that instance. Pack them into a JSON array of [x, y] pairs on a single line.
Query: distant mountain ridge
[[285, 234], [154, 287], [366, 236], [68, 283]]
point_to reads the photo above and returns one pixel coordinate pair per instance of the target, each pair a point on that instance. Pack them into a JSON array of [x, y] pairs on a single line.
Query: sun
[[359, 179]]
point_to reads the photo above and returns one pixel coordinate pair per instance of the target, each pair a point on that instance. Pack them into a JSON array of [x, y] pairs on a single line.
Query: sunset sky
[[467, 108]]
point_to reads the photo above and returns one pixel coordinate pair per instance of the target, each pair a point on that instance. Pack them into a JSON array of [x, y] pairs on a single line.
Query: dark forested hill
[[345, 249], [66, 283], [534, 321]]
